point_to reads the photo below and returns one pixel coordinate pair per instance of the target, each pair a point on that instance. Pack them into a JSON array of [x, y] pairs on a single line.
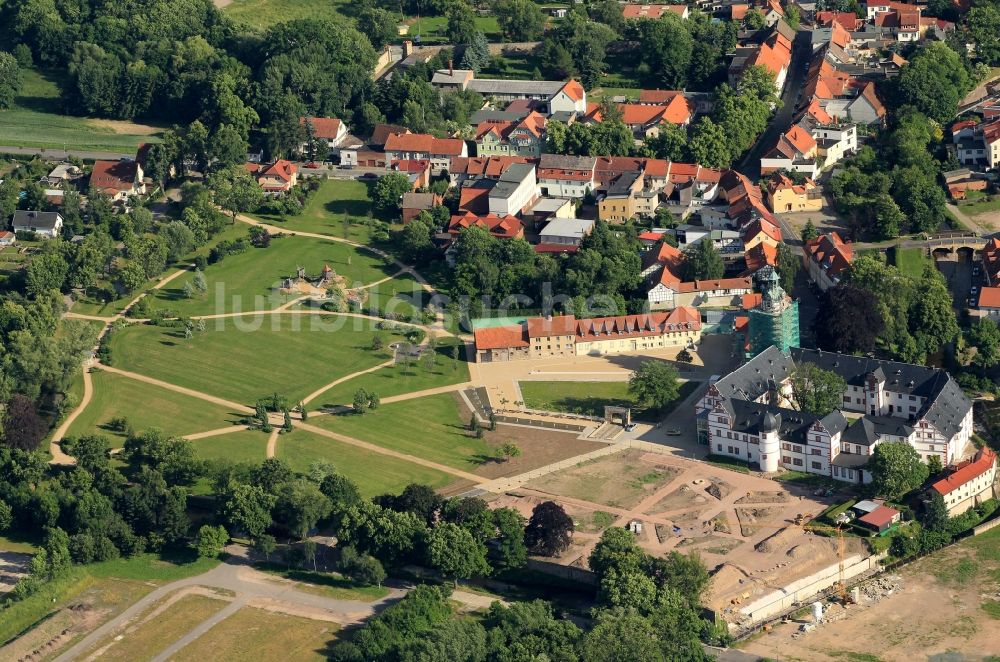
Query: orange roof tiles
[[114, 176], [560, 325], [574, 90], [323, 127], [760, 256], [800, 139], [503, 227], [658, 97], [969, 470], [831, 253], [500, 337], [989, 297], [281, 169], [423, 143]]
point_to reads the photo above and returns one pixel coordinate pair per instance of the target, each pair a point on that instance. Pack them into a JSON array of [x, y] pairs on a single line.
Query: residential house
[[840, 92], [45, 224], [471, 168], [516, 189], [562, 99], [566, 176], [794, 150], [959, 181], [761, 231], [618, 204], [440, 151], [729, 243], [846, 19], [746, 414], [774, 53], [881, 519], [523, 137], [277, 178], [653, 12], [784, 195], [645, 120], [414, 203], [826, 259], [418, 171], [7, 238], [564, 336], [327, 132], [62, 173], [991, 261], [834, 142], [501, 227], [118, 180], [969, 483], [758, 257], [988, 303], [565, 232]]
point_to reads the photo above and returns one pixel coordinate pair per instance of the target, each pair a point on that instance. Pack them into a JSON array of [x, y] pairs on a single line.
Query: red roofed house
[[630, 11], [440, 151], [826, 259], [774, 54], [991, 261], [414, 203], [989, 302], [118, 179], [524, 137], [881, 518], [501, 227], [761, 231], [662, 269], [847, 19], [279, 177], [969, 483], [564, 335], [328, 131], [758, 257], [795, 150], [784, 195]]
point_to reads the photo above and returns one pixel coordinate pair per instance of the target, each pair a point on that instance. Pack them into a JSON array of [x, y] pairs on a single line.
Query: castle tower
[[776, 320], [770, 442]]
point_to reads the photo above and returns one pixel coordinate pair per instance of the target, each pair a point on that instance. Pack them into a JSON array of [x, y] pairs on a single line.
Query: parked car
[[673, 432], [368, 175]]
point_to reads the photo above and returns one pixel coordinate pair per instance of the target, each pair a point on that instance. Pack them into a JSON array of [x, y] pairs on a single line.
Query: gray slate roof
[[37, 220]]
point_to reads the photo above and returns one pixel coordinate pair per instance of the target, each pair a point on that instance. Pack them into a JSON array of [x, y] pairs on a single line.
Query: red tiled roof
[[679, 110], [879, 517], [504, 227], [637, 114], [555, 248], [991, 260], [658, 97], [831, 253], [989, 297], [500, 337], [991, 132], [485, 166], [423, 143], [574, 90], [760, 256], [868, 92], [323, 127], [759, 226], [751, 300], [381, 133], [281, 169], [560, 325], [114, 175], [632, 326], [719, 284], [800, 139], [970, 469], [849, 20]]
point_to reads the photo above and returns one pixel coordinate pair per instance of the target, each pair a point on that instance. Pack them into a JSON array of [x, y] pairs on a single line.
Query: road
[[65, 154], [782, 119]]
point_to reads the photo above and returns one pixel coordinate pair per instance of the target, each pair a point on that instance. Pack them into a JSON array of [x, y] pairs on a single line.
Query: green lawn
[[981, 206], [401, 297], [397, 380], [265, 13], [435, 28], [428, 427], [245, 358], [145, 406], [35, 120], [334, 202], [246, 446], [910, 261], [374, 474], [589, 397], [517, 65], [252, 280]]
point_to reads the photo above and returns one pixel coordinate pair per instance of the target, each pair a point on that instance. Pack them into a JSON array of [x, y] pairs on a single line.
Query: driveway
[[782, 119]]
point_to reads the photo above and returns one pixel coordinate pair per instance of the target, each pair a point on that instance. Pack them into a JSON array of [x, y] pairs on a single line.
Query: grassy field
[[245, 358], [245, 446], [251, 280], [374, 474], [433, 430], [90, 306], [513, 65], [983, 205], [401, 296], [265, 13], [910, 261], [147, 639], [254, 634], [589, 397], [334, 202], [35, 120], [327, 584], [397, 379], [145, 406], [153, 568]]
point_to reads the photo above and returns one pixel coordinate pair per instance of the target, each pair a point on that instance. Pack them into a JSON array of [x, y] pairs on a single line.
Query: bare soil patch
[[621, 480], [752, 518], [764, 497], [125, 127], [683, 497], [719, 488]]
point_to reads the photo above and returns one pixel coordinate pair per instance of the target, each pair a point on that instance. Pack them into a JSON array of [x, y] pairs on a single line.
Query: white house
[[47, 224], [516, 189], [566, 176], [970, 483]]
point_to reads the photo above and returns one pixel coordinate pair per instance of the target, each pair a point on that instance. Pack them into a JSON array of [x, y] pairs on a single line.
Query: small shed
[[865, 507], [880, 519]]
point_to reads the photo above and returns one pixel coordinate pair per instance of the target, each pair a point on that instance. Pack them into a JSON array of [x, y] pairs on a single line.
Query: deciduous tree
[[549, 530], [815, 390], [896, 468], [654, 384]]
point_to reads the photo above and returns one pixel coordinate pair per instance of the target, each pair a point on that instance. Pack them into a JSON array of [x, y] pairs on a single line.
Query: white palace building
[[747, 414]]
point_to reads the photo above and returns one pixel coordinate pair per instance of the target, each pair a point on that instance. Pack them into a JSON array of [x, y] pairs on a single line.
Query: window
[[797, 462], [786, 460], [817, 465], [817, 451]]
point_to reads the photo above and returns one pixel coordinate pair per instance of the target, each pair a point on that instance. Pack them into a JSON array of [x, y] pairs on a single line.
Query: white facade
[[517, 189], [566, 188], [835, 142]]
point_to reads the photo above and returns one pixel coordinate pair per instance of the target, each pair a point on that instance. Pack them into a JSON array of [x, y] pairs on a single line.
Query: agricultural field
[[336, 201], [253, 634], [252, 280], [145, 406], [373, 473], [35, 120], [245, 358], [265, 13], [590, 398]]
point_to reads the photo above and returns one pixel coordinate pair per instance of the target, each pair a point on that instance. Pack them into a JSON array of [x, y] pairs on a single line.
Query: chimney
[[451, 67]]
